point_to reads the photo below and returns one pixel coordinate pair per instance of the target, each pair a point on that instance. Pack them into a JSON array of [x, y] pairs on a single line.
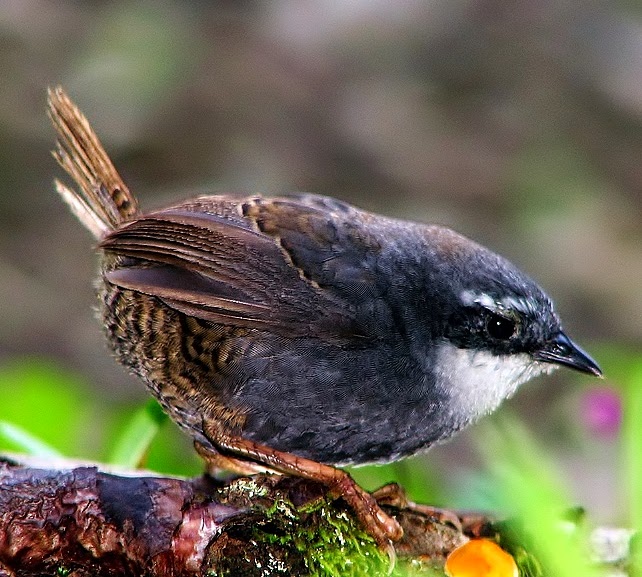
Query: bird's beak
[[563, 351]]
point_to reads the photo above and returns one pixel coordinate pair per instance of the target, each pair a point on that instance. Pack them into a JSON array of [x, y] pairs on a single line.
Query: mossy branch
[[80, 520]]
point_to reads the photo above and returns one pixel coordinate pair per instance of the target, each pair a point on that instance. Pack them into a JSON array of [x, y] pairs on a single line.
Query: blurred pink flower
[[601, 410]]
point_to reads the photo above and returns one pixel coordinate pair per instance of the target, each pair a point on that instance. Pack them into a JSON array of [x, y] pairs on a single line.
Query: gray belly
[[343, 406], [331, 402]]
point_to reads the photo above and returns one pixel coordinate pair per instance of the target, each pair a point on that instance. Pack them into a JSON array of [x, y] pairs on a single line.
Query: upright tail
[[102, 201]]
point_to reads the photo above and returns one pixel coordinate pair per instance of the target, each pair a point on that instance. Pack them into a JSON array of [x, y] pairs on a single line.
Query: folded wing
[[222, 267]]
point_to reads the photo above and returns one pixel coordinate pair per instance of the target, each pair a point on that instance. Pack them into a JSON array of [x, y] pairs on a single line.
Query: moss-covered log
[[84, 521], [81, 521]]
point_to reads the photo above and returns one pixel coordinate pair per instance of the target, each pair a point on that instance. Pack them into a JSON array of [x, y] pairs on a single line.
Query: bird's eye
[[499, 327]]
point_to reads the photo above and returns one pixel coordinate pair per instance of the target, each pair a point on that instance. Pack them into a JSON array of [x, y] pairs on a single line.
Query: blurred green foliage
[[48, 402], [631, 471], [47, 410]]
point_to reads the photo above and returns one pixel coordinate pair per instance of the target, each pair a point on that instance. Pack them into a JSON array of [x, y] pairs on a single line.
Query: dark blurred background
[[517, 123]]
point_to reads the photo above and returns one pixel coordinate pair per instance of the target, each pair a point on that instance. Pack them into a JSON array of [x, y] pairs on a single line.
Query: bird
[[299, 334]]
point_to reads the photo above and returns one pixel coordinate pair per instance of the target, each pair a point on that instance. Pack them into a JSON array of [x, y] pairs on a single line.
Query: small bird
[[299, 334]]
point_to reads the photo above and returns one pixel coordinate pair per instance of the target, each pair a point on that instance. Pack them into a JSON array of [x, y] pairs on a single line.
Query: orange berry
[[480, 558]]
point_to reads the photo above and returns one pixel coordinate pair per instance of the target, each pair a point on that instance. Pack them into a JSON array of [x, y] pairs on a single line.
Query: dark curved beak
[[563, 351]]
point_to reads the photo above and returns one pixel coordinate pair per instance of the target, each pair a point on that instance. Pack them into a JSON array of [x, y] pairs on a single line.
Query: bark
[[80, 521], [83, 521]]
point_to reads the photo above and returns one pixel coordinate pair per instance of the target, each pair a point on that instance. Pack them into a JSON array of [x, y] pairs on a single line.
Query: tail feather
[[102, 201]]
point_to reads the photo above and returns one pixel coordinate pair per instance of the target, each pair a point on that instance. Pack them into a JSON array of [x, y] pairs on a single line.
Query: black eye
[[499, 327]]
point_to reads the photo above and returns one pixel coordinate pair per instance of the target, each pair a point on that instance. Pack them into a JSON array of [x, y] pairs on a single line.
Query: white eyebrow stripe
[[508, 303], [516, 304], [469, 298]]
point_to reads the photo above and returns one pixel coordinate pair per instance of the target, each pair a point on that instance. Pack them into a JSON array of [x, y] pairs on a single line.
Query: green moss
[[319, 538], [325, 538]]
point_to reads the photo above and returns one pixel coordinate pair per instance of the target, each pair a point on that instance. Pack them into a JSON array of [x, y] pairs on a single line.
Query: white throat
[[478, 381]]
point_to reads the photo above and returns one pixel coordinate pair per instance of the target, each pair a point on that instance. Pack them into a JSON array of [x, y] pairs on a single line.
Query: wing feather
[[224, 271]]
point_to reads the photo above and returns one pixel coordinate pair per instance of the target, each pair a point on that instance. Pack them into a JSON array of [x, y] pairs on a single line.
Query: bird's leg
[[243, 455], [216, 462], [393, 494]]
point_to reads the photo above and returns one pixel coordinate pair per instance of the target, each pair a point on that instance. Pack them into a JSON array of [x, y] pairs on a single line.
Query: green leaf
[[50, 402], [13, 435], [632, 435], [526, 483], [132, 446]]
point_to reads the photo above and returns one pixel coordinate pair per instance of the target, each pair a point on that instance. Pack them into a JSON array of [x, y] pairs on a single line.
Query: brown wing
[[268, 264]]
